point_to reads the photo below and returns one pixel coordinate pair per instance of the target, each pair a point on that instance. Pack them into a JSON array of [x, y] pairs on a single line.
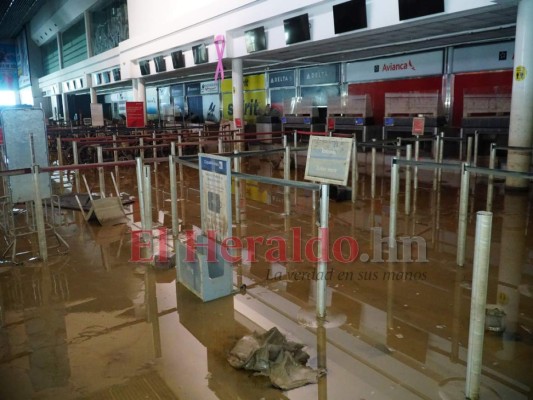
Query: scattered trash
[[399, 336], [271, 354], [441, 326]]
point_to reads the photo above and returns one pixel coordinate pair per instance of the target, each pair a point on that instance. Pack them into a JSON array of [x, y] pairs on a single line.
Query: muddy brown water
[[93, 324]]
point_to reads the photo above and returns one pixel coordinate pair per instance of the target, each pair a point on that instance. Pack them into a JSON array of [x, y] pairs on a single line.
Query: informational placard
[[418, 126], [97, 114], [215, 192], [135, 114], [328, 160]]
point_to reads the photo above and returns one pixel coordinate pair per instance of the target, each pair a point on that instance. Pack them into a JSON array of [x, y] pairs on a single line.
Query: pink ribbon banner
[[220, 45]]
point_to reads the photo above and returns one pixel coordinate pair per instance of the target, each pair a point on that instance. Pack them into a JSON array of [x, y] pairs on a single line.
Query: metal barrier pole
[[147, 211], [220, 145], [476, 145], [76, 162], [436, 151], [39, 214], [461, 135], [393, 203], [287, 176], [441, 156], [236, 168], [115, 157], [323, 234], [172, 148], [180, 154], [468, 149], [398, 147], [60, 162], [417, 152], [101, 176], [295, 140], [140, 191], [478, 304], [408, 181], [490, 186], [173, 196], [141, 143], [463, 214], [373, 173], [355, 173]]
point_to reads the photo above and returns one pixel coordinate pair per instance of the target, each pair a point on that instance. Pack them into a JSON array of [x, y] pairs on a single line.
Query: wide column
[[139, 92], [521, 125], [238, 94], [92, 90]]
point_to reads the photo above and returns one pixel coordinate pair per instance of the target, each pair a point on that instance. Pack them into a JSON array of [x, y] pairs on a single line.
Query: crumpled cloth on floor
[[273, 355]]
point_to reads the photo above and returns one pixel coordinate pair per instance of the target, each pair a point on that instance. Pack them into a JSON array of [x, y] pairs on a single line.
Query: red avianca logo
[[399, 66]]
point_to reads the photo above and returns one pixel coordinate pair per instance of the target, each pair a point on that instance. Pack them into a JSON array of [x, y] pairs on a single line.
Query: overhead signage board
[[209, 87], [281, 79], [405, 66], [485, 57], [135, 114], [323, 74], [215, 200], [328, 160]]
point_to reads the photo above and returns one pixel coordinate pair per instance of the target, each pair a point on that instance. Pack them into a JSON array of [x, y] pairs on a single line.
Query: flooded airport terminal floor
[[96, 323]]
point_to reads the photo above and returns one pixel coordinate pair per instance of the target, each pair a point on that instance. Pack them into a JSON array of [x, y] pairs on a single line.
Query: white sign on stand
[[215, 194], [328, 160]]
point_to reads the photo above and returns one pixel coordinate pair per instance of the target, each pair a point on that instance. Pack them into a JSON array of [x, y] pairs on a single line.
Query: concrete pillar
[[64, 100], [521, 126], [92, 90], [238, 94], [87, 17], [139, 92]]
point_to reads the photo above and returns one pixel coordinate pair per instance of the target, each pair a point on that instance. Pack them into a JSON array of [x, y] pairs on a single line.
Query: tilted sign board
[[215, 190], [328, 160]]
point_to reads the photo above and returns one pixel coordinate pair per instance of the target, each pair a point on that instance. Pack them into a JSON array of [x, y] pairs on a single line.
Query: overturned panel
[[21, 126]]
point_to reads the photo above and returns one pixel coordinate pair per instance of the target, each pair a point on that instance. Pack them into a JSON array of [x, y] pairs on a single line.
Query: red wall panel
[[377, 91], [478, 83]]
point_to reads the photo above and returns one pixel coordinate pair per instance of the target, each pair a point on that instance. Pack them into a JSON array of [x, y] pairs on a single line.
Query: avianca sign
[[398, 66], [407, 65]]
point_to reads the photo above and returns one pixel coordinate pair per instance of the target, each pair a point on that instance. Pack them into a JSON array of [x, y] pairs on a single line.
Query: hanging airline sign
[[484, 57], [249, 82], [406, 66], [328, 159], [281, 79], [254, 103], [135, 114], [320, 75], [193, 89], [209, 87]]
